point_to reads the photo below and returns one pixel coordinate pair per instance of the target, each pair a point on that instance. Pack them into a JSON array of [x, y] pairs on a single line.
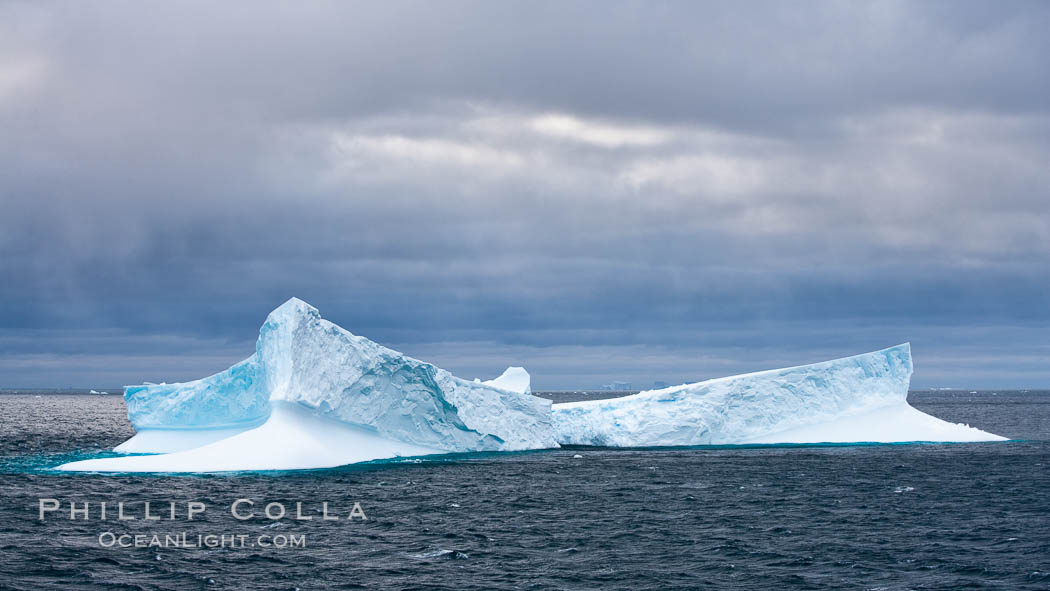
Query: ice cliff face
[[860, 398], [232, 398], [303, 359]]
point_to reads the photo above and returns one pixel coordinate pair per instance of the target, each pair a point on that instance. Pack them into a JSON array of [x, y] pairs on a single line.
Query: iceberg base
[[293, 438], [165, 441], [898, 423]]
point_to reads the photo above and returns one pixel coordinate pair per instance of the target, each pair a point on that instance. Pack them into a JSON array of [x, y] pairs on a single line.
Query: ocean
[[911, 516]]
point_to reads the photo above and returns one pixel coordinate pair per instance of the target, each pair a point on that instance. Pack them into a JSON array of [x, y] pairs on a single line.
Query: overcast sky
[[597, 191]]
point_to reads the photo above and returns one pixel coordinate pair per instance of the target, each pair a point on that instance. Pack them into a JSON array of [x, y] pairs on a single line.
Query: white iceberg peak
[[515, 379], [292, 309]]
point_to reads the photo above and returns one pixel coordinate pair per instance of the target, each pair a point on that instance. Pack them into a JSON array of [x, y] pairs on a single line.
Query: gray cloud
[[550, 181]]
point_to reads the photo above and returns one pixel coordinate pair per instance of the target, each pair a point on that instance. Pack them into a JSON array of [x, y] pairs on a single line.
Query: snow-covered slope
[[854, 399], [292, 438], [307, 363]]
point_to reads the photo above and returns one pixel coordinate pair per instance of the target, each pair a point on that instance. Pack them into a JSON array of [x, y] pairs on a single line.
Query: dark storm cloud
[[569, 184]]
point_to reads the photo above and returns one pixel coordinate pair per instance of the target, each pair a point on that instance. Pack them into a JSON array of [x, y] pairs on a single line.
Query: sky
[[598, 191]]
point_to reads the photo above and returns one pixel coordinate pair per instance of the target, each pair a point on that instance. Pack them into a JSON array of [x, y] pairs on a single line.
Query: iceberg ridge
[[854, 399]]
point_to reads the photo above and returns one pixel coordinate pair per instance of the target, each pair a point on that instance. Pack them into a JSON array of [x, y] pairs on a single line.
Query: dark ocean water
[[958, 516]]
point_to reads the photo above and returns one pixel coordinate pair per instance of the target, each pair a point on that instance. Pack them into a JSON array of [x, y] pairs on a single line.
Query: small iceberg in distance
[[851, 400], [515, 379], [316, 396]]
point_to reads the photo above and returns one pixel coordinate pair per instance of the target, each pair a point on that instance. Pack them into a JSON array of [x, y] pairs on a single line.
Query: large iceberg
[[854, 399], [314, 395]]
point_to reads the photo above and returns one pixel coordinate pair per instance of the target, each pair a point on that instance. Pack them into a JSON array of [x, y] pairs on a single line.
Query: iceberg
[[515, 379], [316, 396], [851, 400]]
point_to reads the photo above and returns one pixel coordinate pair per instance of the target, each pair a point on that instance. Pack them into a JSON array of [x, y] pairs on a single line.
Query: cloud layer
[[596, 191]]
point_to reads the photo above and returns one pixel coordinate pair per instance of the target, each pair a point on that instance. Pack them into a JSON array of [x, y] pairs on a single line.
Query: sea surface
[[917, 516]]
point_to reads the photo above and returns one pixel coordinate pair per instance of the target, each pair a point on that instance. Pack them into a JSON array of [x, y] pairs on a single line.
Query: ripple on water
[[920, 516]]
